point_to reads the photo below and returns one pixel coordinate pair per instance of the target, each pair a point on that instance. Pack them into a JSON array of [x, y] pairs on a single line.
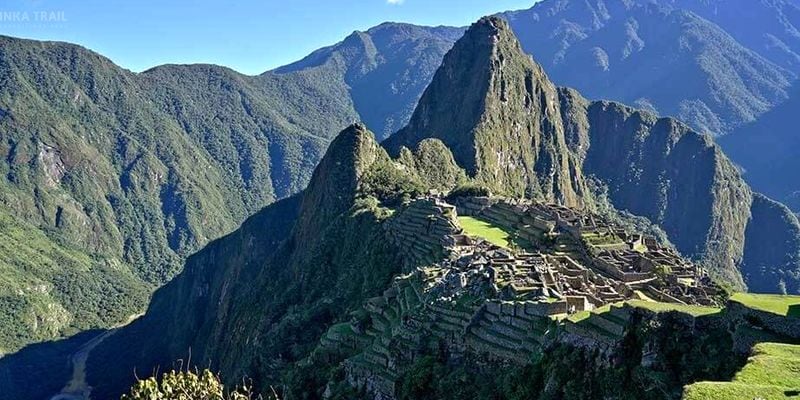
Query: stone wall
[[419, 230], [771, 322]]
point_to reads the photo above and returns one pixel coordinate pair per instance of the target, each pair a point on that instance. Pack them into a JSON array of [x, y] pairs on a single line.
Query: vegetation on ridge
[[141, 170]]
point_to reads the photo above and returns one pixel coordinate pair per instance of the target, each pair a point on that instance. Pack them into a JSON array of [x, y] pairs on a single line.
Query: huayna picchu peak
[[494, 107], [514, 240]]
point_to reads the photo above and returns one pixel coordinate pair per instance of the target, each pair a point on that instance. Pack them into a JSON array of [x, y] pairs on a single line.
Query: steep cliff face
[[500, 116], [660, 169], [259, 298], [772, 248]]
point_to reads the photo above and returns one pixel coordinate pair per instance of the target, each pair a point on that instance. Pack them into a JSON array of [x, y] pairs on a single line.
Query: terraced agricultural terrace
[[772, 371], [513, 278]]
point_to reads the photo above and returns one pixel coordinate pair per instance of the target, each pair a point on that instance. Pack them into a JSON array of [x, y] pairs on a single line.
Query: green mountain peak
[[334, 184], [500, 115]]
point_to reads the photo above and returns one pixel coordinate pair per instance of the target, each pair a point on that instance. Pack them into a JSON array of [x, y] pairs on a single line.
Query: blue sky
[[249, 36]]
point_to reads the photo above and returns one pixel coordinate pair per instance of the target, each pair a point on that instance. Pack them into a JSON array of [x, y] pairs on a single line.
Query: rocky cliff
[[500, 116], [771, 255]]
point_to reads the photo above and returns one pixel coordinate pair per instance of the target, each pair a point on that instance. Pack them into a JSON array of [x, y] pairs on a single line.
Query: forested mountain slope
[[714, 64], [134, 172]]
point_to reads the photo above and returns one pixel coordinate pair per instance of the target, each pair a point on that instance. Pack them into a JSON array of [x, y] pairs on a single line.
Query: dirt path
[[77, 388]]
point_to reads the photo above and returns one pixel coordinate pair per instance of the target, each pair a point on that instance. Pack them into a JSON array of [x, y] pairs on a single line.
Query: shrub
[[188, 385], [469, 190], [391, 185]]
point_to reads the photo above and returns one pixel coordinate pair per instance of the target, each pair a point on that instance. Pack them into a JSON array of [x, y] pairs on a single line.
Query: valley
[[77, 388]]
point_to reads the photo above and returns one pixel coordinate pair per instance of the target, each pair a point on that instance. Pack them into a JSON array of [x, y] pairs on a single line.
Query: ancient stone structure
[[615, 262], [565, 280], [422, 229]]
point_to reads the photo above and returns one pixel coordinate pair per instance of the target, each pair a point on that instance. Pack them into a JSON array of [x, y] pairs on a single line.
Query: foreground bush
[[188, 385]]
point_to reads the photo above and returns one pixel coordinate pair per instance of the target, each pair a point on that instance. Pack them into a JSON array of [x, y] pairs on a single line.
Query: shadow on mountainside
[[20, 369], [794, 311]]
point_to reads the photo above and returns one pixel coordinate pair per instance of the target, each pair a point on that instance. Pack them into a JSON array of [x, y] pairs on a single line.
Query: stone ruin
[[586, 255], [420, 230], [470, 298]]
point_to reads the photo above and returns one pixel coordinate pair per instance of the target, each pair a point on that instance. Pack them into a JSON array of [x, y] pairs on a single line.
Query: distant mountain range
[[716, 64], [117, 177]]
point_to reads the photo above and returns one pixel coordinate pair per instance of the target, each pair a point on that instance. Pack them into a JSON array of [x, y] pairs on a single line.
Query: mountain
[[506, 127], [514, 131], [261, 301], [385, 68], [764, 149], [771, 30], [121, 176], [171, 169], [715, 64], [258, 298]]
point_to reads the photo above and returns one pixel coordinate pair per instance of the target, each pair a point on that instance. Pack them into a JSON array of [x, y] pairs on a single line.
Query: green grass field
[[772, 364], [485, 230], [771, 373], [782, 305], [734, 391]]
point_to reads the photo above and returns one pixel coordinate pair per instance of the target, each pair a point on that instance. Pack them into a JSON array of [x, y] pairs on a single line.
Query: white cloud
[[395, 2]]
